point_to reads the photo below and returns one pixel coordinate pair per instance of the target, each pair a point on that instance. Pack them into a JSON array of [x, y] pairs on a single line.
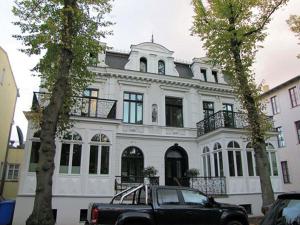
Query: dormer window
[[215, 75], [161, 67], [203, 71], [143, 65]]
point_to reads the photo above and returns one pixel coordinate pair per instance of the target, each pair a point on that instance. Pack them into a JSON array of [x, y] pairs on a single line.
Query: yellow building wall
[[15, 156], [8, 95]]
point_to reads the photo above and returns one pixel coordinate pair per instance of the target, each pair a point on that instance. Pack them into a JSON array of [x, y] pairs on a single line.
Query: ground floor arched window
[[132, 165]]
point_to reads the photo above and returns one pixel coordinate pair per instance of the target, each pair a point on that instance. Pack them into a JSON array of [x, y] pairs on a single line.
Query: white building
[[144, 110], [283, 103]]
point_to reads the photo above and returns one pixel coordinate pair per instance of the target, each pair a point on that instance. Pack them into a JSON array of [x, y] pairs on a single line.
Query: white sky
[[170, 22]]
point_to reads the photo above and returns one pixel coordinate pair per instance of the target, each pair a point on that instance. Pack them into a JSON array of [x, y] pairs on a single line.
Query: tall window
[[34, 154], [294, 97], [234, 159], [99, 154], [218, 160], [274, 103], [272, 159], [203, 71], [174, 114], [132, 164], [285, 172], [89, 103], [228, 115], [133, 108], [215, 75], [297, 124], [70, 157], [13, 172], [206, 162], [143, 65], [280, 138], [250, 160], [208, 109], [161, 67]]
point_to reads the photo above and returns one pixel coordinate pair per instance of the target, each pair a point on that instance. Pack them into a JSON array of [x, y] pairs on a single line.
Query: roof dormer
[[150, 57]]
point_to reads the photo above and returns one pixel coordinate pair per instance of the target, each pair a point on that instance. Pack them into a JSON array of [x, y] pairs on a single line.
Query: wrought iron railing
[[81, 106], [209, 185], [224, 119], [124, 182]]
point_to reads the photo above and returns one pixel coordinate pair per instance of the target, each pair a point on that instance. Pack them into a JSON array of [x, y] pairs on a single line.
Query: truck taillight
[[95, 215]]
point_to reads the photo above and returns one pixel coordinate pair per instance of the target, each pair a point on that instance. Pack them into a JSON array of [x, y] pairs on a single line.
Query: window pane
[[250, 164], [139, 113], [34, 156], [216, 164], [208, 165], [93, 166], [167, 196], [274, 164], [239, 163], [76, 159], [231, 164], [126, 112], [221, 164], [64, 158], [285, 172], [126, 96], [204, 166], [132, 112], [174, 116], [193, 197], [104, 159]]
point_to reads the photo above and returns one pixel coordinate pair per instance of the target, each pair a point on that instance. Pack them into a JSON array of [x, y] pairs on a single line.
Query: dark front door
[[176, 165]]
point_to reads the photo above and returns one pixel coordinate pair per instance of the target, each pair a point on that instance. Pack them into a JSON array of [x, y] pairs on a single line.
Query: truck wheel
[[234, 222]]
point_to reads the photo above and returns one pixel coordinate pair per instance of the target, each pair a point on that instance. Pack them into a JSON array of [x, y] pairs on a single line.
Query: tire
[[234, 222]]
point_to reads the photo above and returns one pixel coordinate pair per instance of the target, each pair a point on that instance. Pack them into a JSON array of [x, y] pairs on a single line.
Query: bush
[[150, 171], [192, 172]]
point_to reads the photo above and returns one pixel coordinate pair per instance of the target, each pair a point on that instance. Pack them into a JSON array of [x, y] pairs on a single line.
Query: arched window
[[34, 154], [132, 165], [251, 160], [206, 162], [143, 64], [272, 159], [218, 160], [234, 159], [70, 157], [99, 154], [161, 67]]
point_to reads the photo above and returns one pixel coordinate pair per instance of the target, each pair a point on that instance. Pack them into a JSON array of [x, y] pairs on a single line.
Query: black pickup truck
[[164, 205]]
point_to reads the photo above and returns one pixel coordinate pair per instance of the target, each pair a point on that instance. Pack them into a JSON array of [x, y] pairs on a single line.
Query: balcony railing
[[224, 119], [124, 182], [82, 106], [209, 185]]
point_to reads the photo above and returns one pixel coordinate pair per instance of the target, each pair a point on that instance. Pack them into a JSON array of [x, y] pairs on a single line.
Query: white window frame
[[235, 150], [16, 167], [216, 153]]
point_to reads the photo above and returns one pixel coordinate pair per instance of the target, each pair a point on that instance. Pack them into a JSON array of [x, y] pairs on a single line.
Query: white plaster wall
[[286, 119]]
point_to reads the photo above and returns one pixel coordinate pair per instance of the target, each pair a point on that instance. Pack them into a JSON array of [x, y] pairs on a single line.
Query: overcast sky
[[170, 22]]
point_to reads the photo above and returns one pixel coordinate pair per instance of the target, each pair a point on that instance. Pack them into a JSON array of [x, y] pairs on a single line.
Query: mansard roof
[[118, 60]]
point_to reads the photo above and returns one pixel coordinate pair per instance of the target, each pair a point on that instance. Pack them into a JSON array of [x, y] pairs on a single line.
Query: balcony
[[82, 106], [224, 119]]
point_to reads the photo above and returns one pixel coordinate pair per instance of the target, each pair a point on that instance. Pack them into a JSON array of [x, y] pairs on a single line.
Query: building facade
[[283, 103], [146, 109], [8, 98]]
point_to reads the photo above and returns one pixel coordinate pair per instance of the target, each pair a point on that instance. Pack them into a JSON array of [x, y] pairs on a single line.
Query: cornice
[[165, 80]]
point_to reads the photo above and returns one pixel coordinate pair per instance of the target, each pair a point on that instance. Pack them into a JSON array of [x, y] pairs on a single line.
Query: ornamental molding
[[134, 83]]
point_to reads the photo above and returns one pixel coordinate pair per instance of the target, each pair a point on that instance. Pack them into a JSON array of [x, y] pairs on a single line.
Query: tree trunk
[[256, 130], [42, 210]]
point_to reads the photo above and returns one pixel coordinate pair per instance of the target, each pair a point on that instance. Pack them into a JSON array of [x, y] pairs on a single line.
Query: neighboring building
[[283, 103], [14, 166], [8, 97], [144, 110]]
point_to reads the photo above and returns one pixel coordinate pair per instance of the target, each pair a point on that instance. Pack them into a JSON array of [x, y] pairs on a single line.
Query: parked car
[[165, 205], [285, 211]]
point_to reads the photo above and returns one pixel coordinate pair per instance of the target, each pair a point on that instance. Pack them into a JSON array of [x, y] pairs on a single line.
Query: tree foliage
[[66, 33], [232, 31], [294, 23], [41, 23]]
